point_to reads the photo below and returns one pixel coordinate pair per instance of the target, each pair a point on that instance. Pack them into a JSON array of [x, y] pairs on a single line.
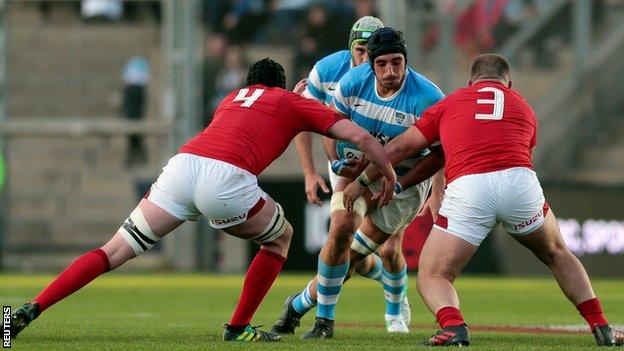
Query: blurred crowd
[[486, 25], [315, 28], [312, 28]]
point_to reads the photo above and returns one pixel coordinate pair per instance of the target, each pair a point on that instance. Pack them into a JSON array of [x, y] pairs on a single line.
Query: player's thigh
[[140, 231], [343, 224], [338, 183], [444, 254], [393, 247], [368, 228], [269, 219], [159, 220], [545, 240]]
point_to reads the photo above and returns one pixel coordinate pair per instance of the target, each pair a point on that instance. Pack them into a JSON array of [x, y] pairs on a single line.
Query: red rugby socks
[[260, 276], [78, 274], [591, 310], [449, 317]]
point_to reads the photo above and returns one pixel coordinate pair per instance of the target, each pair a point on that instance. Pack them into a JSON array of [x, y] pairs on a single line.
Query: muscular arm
[[312, 180], [401, 147], [434, 202], [347, 130], [303, 144], [329, 145], [405, 145], [425, 169]]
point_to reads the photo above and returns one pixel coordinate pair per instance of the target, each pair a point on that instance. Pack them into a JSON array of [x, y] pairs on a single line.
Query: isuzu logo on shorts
[[228, 220], [529, 222]]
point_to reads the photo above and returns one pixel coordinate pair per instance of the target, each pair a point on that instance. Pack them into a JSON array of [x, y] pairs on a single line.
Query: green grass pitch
[[185, 312]]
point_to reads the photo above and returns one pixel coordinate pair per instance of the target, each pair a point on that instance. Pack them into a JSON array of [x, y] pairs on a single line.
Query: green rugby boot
[[22, 317], [249, 334]]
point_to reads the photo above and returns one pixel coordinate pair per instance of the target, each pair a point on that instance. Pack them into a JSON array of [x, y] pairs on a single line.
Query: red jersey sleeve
[[429, 123], [314, 116]]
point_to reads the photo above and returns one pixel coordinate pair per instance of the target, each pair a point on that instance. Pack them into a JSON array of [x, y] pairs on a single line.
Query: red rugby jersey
[[254, 125], [483, 128]]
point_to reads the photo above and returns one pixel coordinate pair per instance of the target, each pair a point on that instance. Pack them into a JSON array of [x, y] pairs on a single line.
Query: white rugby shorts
[[191, 185], [474, 204], [401, 211]]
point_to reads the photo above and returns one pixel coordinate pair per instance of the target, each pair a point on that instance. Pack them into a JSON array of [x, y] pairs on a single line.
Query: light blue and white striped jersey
[[385, 118], [325, 75]]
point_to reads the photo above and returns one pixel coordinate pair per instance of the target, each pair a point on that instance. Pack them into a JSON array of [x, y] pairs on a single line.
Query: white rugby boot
[[396, 324], [406, 311]]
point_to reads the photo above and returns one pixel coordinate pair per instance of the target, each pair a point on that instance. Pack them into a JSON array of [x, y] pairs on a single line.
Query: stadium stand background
[[70, 182]]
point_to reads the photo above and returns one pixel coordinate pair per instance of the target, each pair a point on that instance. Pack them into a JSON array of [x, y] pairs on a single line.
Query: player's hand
[[398, 188], [387, 192], [301, 86], [432, 205], [312, 183], [351, 193]]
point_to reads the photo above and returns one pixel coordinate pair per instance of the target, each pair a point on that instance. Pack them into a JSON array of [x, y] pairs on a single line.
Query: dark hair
[[385, 41], [489, 66], [267, 72]]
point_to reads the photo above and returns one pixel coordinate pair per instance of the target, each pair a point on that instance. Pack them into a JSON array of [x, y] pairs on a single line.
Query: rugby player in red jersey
[[488, 133], [214, 174]]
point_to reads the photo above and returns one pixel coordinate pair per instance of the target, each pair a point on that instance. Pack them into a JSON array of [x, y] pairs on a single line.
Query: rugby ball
[[347, 150]]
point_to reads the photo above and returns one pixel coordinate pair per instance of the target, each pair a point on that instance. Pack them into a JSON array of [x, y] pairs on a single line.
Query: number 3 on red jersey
[[498, 102], [248, 100]]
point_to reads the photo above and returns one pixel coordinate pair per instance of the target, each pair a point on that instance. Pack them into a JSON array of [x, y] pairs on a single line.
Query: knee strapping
[[276, 227], [337, 203], [137, 232], [363, 244]]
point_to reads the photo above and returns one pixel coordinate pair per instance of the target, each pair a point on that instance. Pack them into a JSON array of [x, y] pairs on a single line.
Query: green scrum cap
[[362, 29]]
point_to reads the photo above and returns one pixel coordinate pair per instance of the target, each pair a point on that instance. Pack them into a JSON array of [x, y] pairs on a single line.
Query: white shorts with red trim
[[192, 185], [474, 204]]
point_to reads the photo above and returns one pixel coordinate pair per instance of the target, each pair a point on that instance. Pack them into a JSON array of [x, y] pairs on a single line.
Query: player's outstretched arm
[[374, 152]]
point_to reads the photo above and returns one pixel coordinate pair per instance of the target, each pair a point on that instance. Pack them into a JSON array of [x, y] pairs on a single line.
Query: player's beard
[[392, 83]]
